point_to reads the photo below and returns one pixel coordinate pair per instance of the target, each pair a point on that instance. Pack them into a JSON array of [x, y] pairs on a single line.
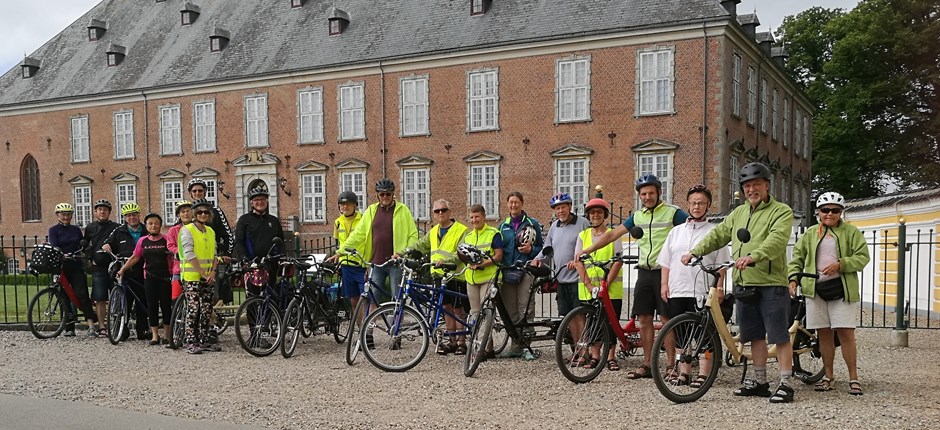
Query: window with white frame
[[170, 136], [414, 106], [415, 190], [573, 90], [82, 198], [355, 181], [655, 80], [256, 121], [123, 135], [733, 179], [786, 122], [572, 178], [310, 115], [763, 106], [484, 188], [313, 197], [483, 100], [806, 136], [797, 132], [775, 116], [477, 7], [80, 144], [204, 126], [661, 166], [352, 120], [126, 193], [785, 190], [172, 193], [751, 95], [736, 84]]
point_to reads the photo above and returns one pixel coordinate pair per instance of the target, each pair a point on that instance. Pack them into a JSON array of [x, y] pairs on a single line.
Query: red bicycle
[[52, 308]]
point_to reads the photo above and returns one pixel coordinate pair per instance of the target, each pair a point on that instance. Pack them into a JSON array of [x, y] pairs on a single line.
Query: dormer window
[[189, 13], [96, 30], [479, 7], [218, 40], [30, 67], [297, 3], [339, 20], [116, 54]]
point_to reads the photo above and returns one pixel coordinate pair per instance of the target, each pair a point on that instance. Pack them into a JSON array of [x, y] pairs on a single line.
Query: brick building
[[459, 99]]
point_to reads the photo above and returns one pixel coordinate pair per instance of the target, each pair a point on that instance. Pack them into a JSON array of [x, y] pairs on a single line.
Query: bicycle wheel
[[117, 316], [395, 337], [683, 347], [257, 324], [177, 331], [479, 338], [499, 334], [46, 317], [807, 359], [339, 321], [352, 333], [581, 331], [294, 318]]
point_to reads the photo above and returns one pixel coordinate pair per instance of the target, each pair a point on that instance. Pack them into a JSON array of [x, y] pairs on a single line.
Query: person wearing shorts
[[95, 235], [352, 271], [562, 237]]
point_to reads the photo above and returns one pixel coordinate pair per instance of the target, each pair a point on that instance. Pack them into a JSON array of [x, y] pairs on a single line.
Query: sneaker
[[751, 389], [370, 341], [69, 333], [783, 394], [193, 349], [514, 351], [528, 355], [209, 347], [92, 332]]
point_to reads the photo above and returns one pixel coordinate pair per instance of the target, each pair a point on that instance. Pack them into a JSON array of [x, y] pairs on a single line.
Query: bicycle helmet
[[203, 202], [196, 181], [598, 202], [384, 184], [348, 197], [129, 208], [102, 203], [182, 204], [469, 254], [64, 207], [831, 198], [153, 215], [649, 179], [699, 189], [753, 171], [259, 191], [526, 235], [559, 199]]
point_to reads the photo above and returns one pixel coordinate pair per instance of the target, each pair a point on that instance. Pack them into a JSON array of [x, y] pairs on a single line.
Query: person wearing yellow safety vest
[[197, 249], [656, 218], [441, 242], [597, 211], [386, 227], [352, 271], [479, 276]]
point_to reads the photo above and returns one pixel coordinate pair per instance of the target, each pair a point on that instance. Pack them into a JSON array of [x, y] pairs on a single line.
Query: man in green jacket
[[761, 267], [386, 228]]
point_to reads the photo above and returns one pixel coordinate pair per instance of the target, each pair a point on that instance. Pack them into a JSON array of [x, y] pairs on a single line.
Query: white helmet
[[830, 198], [526, 235]]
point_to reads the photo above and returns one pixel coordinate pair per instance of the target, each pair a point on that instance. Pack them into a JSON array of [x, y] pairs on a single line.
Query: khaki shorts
[[832, 314]]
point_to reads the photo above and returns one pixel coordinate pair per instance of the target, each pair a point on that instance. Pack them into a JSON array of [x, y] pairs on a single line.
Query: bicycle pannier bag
[[746, 294], [547, 285], [830, 290]]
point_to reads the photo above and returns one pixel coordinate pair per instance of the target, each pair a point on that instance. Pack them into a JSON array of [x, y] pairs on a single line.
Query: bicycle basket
[[46, 260]]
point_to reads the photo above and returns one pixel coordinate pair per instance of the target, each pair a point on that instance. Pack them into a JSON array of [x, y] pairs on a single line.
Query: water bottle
[[332, 291]]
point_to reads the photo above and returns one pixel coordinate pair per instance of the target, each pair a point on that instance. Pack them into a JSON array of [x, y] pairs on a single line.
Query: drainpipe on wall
[[147, 148], [382, 98], [704, 128]]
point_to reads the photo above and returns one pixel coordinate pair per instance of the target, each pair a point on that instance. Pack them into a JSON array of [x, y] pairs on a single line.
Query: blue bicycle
[[372, 297]]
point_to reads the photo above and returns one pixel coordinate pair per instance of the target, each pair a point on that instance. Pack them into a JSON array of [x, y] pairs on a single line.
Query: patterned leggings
[[199, 301]]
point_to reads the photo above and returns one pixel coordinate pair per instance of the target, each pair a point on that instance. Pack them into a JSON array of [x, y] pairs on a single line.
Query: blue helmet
[[649, 179], [558, 199]]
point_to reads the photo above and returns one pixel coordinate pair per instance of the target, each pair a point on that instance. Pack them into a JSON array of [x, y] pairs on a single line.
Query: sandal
[[103, 332], [461, 349], [855, 388], [640, 372], [613, 365], [591, 363], [445, 348], [682, 379], [698, 381], [823, 385]]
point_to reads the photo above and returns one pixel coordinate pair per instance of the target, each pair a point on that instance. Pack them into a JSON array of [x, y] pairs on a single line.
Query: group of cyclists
[[185, 260]]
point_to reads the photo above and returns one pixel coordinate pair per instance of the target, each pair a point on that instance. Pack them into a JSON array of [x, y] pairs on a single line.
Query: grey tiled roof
[[748, 18], [268, 37]]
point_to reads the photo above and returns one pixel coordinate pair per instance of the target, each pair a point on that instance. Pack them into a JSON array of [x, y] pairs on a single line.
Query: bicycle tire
[[479, 338], [807, 359], [690, 333], [399, 341], [117, 316], [178, 316], [257, 326], [339, 324], [573, 352], [352, 335], [43, 310], [500, 334], [291, 327]]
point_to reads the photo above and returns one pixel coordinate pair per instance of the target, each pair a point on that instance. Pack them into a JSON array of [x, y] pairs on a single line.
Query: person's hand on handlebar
[[572, 265], [743, 262], [793, 289], [687, 258]]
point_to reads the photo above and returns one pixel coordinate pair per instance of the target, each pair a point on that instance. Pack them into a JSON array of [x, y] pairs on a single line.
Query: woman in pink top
[[184, 215], [152, 249]]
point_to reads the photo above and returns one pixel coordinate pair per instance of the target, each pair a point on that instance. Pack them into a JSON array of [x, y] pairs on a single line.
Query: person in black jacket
[[223, 236], [121, 242], [255, 232], [95, 235]]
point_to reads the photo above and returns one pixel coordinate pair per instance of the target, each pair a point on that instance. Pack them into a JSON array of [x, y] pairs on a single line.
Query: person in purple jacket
[[68, 238]]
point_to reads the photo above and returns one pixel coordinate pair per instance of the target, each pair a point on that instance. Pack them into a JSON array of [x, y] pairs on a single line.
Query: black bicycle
[[316, 305]]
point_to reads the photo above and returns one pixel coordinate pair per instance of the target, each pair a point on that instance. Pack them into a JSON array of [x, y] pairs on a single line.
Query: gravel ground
[[316, 388]]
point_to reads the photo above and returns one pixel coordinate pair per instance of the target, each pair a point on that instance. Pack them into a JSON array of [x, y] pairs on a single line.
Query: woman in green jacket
[[836, 251]]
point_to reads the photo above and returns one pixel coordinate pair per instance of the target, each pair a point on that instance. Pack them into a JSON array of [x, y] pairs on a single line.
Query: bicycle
[[258, 319], [314, 306], [118, 315], [368, 301], [695, 336], [177, 332], [51, 308]]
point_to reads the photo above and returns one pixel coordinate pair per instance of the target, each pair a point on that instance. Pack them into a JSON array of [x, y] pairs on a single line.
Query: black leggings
[[76, 278], [158, 299]]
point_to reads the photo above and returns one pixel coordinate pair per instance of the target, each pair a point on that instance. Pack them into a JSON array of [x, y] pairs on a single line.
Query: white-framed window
[[661, 166], [785, 190], [256, 121], [806, 136], [736, 84], [763, 105], [733, 167], [655, 76], [170, 135], [126, 193], [775, 116], [204, 126], [413, 108], [572, 178], [80, 143], [310, 115], [82, 198], [313, 197], [786, 122], [751, 95], [123, 135], [355, 181], [483, 100], [484, 188], [573, 90], [416, 192], [477, 7], [352, 112], [797, 131], [172, 193]]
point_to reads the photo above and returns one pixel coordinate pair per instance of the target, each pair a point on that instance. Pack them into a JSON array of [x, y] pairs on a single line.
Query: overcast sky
[[28, 24]]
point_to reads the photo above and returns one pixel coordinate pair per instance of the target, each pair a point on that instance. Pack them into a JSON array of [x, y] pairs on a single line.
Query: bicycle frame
[[429, 306]]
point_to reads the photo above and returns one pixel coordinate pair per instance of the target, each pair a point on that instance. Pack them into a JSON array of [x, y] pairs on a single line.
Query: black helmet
[[260, 190], [203, 202], [384, 184], [348, 197], [753, 171], [153, 215], [649, 179], [699, 189]]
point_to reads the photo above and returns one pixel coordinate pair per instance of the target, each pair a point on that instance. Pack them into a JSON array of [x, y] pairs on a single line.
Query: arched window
[[29, 189]]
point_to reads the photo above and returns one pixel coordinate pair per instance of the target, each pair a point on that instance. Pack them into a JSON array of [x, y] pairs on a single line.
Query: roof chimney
[[731, 6], [780, 55], [766, 40], [749, 22]]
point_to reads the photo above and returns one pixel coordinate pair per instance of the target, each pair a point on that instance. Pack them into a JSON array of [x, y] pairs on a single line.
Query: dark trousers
[[135, 284], [76, 278], [158, 297]]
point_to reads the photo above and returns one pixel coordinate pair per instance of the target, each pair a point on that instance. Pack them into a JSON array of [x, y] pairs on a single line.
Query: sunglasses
[[203, 212], [441, 210], [833, 210], [385, 194]]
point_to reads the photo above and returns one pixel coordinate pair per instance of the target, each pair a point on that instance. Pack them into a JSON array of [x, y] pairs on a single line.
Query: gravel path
[[316, 388]]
